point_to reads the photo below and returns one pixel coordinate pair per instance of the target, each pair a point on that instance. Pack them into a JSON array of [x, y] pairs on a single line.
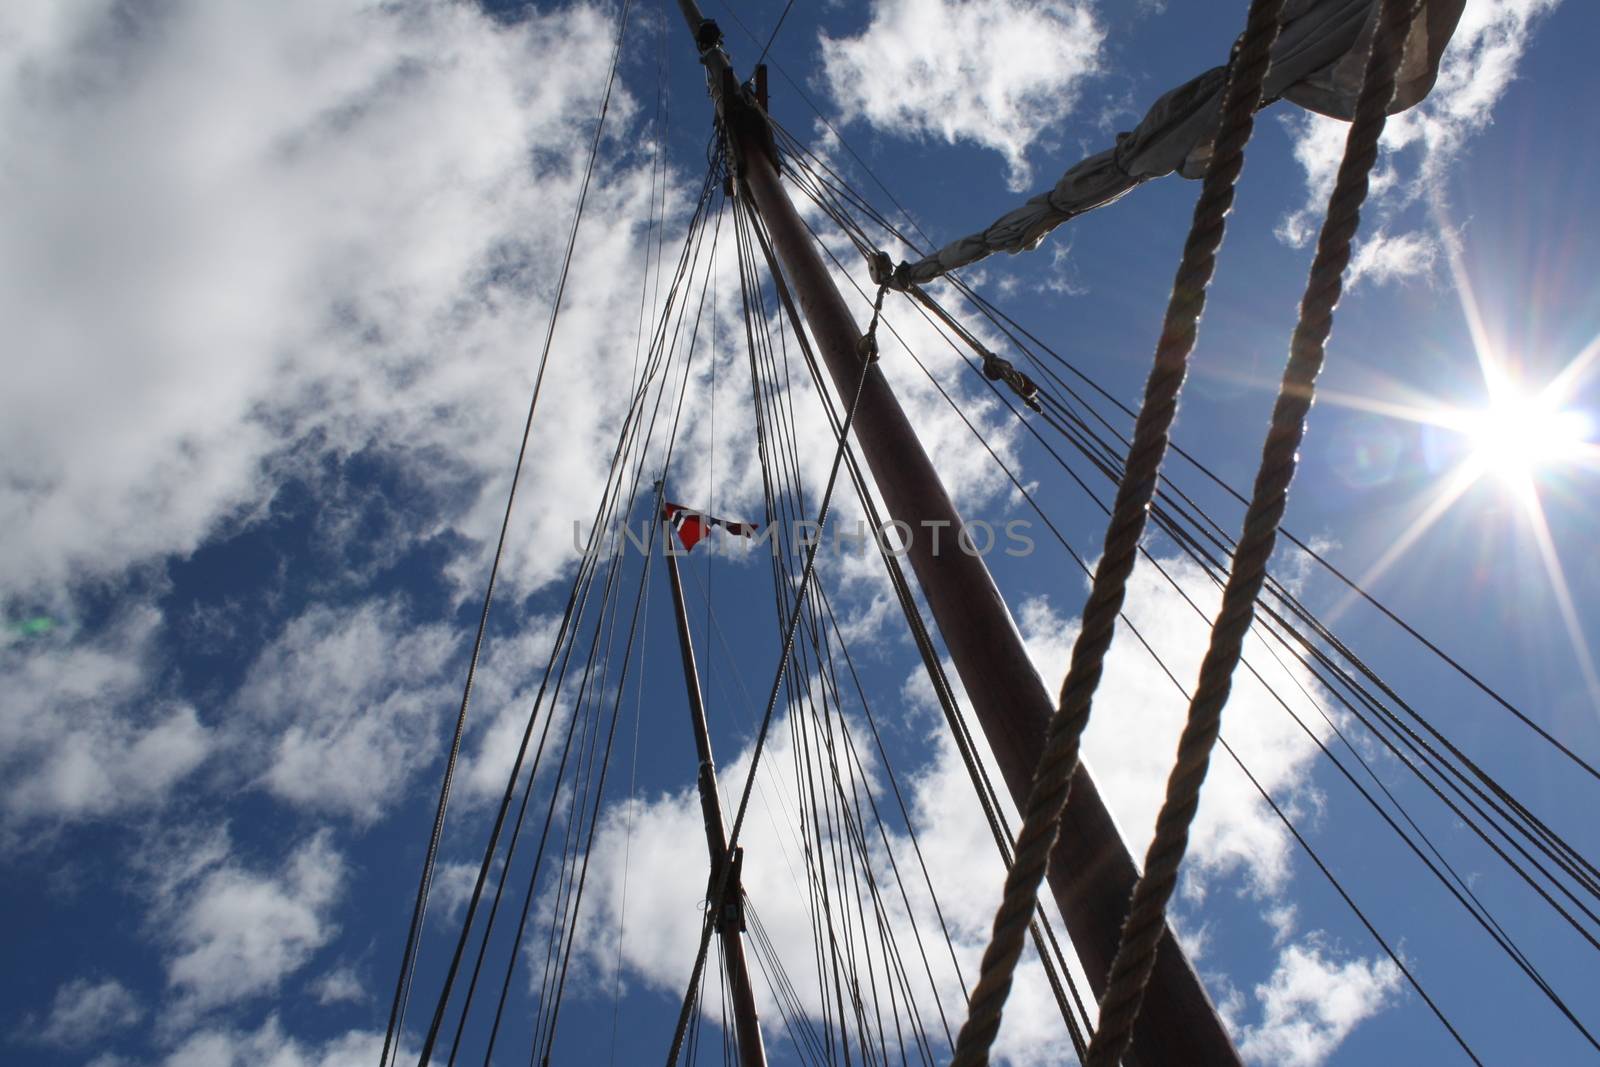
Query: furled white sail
[[1316, 63]]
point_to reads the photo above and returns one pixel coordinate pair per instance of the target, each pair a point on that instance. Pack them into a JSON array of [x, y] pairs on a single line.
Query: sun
[[1527, 438], [1519, 433]]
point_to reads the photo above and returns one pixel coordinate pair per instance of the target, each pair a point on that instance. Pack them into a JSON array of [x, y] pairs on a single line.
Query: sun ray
[[1565, 383], [1555, 574], [1461, 478], [1420, 412], [1467, 297]]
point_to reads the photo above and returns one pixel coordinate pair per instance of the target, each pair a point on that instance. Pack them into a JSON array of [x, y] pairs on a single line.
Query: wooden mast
[[1091, 873], [729, 921]]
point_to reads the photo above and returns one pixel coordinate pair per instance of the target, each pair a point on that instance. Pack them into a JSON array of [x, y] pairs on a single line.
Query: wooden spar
[[730, 923], [1091, 871]]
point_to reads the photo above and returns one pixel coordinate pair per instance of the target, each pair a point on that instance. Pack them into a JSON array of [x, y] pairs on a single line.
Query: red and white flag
[[692, 525]]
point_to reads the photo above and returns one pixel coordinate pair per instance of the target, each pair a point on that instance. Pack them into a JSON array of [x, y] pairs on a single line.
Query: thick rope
[[1059, 761], [1141, 933]]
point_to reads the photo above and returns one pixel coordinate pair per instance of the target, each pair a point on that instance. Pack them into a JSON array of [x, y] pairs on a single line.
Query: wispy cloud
[[237, 932], [342, 985], [341, 708], [81, 732], [995, 73], [84, 1011], [1419, 145], [271, 1043]]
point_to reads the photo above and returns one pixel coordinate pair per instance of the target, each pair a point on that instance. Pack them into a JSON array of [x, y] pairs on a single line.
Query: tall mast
[[729, 920], [1091, 873]]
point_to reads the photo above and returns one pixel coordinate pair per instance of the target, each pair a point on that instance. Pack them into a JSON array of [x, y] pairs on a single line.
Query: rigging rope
[[1135, 958], [1011, 329], [419, 909], [1050, 953], [628, 440], [1470, 901], [831, 805], [1106, 460], [1048, 796], [935, 672]]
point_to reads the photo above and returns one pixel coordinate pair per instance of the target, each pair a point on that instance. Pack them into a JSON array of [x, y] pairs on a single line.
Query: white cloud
[[341, 985], [1384, 258], [1419, 145], [1130, 745], [259, 236], [1138, 715], [236, 933], [996, 73], [84, 1011], [1312, 1002], [346, 704], [270, 1046], [80, 734]]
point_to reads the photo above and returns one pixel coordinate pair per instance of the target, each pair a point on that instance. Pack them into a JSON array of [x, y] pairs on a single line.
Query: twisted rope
[[1048, 796], [1141, 933]]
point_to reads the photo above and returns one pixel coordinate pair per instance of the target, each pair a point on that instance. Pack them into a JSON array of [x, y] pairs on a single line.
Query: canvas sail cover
[[1316, 63]]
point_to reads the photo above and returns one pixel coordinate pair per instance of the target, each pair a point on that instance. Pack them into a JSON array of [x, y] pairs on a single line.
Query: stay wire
[[987, 796], [682, 394], [1486, 920], [859, 819], [774, 35], [1010, 328], [1357, 911], [590, 557], [832, 815], [640, 598], [588, 560], [419, 909], [1416, 635], [744, 800], [1541, 829]]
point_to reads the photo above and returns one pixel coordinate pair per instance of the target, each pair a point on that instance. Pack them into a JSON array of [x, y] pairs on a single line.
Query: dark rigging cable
[[419, 909]]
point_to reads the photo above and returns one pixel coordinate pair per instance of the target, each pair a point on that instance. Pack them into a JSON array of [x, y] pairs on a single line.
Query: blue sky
[[274, 281]]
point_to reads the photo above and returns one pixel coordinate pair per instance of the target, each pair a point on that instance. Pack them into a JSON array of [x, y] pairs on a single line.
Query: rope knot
[[997, 369]]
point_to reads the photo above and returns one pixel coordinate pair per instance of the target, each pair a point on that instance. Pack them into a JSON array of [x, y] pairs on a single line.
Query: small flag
[[692, 525]]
